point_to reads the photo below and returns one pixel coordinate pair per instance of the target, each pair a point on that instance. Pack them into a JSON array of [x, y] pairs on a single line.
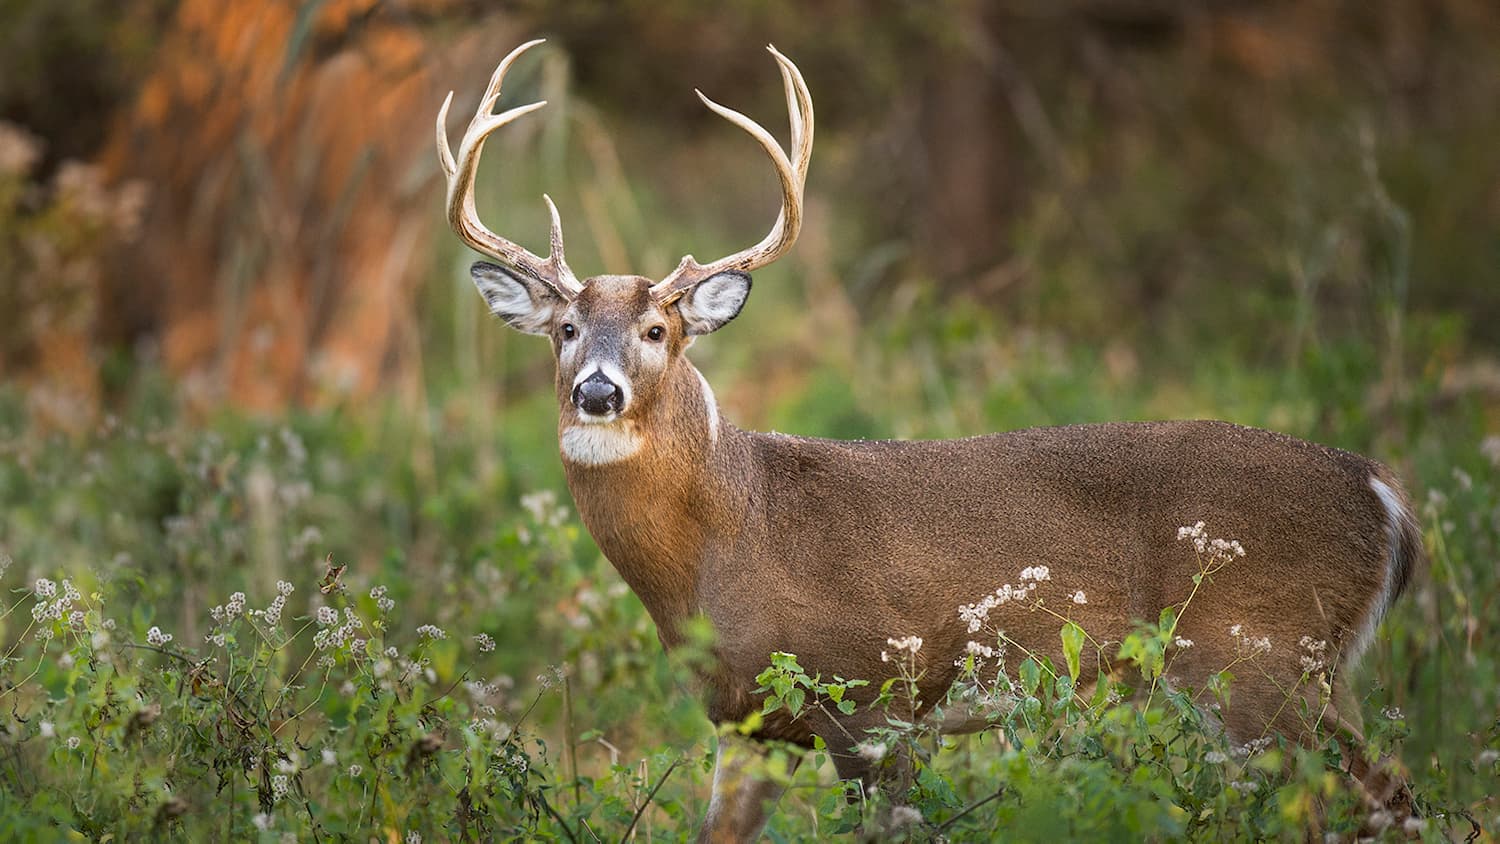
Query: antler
[[462, 216], [791, 170]]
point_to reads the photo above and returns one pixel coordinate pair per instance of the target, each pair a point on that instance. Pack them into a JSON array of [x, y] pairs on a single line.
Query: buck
[[827, 549]]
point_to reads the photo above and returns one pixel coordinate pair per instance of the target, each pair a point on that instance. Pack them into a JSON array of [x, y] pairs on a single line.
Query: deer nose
[[597, 394]]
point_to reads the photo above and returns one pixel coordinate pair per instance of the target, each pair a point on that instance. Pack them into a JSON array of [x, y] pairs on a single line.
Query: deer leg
[[748, 780]]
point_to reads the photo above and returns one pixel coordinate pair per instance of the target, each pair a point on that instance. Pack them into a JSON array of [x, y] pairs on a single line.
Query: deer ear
[[524, 303], [714, 301]]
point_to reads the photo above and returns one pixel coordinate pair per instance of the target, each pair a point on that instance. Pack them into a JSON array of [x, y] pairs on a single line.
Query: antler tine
[[461, 171], [790, 170]]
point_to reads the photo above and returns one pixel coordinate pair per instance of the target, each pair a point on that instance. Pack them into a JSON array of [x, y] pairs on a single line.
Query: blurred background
[[236, 334], [245, 195]]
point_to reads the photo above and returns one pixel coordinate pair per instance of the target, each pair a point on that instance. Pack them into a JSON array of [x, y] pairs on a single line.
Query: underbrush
[[248, 630]]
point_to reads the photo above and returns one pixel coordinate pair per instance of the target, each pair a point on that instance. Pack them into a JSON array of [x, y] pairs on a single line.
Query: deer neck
[[654, 489]]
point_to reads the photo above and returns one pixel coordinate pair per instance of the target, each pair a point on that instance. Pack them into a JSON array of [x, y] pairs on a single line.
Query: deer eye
[[656, 333], [569, 332]]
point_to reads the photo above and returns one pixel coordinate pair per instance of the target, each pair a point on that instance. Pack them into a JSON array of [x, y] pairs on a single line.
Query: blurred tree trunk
[[292, 207]]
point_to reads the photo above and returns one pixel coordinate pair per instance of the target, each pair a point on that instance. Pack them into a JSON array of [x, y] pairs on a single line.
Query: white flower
[[979, 649], [327, 615], [1214, 757], [262, 821], [1488, 757], [485, 642], [904, 816], [1080, 598], [284, 588], [910, 644], [154, 636], [329, 757], [355, 770], [47, 730], [280, 785], [413, 837], [44, 587], [431, 631], [1393, 713], [1182, 643], [872, 751], [1036, 573], [74, 742]]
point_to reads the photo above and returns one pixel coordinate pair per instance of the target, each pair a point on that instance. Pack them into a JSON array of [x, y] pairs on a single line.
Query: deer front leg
[[748, 780]]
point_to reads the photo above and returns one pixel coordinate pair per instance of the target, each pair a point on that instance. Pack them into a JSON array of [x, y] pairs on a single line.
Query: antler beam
[[790, 169], [462, 215]]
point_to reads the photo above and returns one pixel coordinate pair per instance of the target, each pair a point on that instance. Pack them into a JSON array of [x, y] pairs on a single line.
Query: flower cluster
[[907, 644], [52, 606], [485, 642], [1247, 645], [431, 631], [977, 613], [331, 637], [230, 611], [154, 636], [1218, 550], [1316, 657], [382, 603], [272, 614]]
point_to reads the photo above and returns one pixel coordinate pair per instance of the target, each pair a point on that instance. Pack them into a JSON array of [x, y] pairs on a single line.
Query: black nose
[[597, 394]]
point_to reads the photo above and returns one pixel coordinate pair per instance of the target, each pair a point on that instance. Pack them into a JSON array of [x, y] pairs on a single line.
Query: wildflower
[[485, 642], [355, 770], [1214, 757], [47, 730], [431, 631], [872, 751], [382, 603], [327, 615], [262, 821], [44, 588], [280, 785], [1315, 659], [1245, 787], [329, 757], [979, 649], [1036, 573], [218, 640], [413, 837], [284, 588], [236, 605], [74, 742], [154, 636], [904, 816], [910, 644], [1080, 598], [1393, 713], [1182, 643], [1489, 447], [1488, 757]]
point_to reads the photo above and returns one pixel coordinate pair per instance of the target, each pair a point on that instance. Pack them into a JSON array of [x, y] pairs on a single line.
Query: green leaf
[[1072, 641], [1031, 675], [794, 701], [846, 707]]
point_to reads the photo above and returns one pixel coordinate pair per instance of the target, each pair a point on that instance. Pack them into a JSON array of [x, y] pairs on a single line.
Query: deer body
[[827, 549]]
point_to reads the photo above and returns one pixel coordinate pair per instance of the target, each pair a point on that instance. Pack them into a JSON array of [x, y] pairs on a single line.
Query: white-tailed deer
[[826, 549]]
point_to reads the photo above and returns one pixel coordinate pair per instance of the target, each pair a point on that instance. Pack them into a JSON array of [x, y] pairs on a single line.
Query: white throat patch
[[712, 409], [598, 445]]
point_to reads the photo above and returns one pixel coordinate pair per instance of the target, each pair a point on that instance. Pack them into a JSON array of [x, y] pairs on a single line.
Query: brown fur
[[826, 548]]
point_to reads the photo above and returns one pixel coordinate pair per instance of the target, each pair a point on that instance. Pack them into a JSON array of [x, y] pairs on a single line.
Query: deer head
[[617, 337]]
